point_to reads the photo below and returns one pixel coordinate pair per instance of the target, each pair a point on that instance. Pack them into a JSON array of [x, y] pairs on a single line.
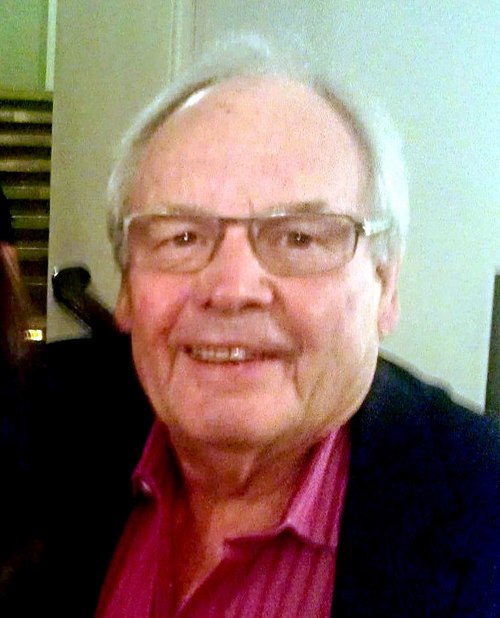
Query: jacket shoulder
[[401, 402], [420, 531]]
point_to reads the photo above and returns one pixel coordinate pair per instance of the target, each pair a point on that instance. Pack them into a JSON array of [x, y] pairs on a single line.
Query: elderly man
[[259, 220]]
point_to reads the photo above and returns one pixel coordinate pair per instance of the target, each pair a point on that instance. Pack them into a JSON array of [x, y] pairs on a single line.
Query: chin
[[231, 428]]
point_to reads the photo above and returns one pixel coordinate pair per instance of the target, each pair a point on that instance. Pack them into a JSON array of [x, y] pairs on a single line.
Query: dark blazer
[[420, 531], [420, 534]]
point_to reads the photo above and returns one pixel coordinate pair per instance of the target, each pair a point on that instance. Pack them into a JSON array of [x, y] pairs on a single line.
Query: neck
[[226, 493], [245, 490]]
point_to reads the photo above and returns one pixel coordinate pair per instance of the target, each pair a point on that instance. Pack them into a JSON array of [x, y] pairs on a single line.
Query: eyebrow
[[287, 208], [300, 208]]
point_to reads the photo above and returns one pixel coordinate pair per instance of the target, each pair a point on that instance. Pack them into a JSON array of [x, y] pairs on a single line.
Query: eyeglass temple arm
[[370, 228]]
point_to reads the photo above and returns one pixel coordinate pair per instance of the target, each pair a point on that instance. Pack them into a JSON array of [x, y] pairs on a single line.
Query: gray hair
[[252, 56]]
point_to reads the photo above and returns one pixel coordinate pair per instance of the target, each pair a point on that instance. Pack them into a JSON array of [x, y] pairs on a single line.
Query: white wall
[[436, 67], [111, 59]]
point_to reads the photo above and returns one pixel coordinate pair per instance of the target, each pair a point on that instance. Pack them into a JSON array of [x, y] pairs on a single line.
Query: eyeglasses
[[285, 244]]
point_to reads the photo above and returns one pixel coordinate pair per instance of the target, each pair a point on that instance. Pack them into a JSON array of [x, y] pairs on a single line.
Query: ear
[[123, 308], [388, 312]]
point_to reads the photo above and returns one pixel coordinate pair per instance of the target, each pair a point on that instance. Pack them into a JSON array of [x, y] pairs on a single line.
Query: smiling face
[[233, 355]]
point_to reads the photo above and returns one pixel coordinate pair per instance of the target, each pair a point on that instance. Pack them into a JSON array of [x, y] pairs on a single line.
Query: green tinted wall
[[23, 44]]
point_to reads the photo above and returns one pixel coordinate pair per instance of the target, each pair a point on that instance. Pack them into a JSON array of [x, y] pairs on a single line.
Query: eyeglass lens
[[285, 245]]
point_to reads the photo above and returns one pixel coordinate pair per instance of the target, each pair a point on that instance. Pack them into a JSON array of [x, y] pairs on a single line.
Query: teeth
[[212, 354]]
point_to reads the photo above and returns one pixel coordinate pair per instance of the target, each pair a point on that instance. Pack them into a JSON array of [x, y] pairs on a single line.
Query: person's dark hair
[[6, 232]]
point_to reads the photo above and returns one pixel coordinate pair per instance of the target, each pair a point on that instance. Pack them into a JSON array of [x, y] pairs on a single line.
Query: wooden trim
[[51, 45], [25, 95], [181, 35]]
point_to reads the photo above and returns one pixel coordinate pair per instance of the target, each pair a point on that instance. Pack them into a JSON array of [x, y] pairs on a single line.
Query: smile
[[213, 354]]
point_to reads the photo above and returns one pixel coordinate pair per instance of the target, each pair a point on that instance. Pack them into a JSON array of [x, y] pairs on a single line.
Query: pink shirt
[[285, 572]]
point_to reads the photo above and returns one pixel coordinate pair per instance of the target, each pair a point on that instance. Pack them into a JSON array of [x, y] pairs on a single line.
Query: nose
[[234, 280]]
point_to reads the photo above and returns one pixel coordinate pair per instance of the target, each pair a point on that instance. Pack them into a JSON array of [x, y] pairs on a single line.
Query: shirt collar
[[157, 467], [315, 509]]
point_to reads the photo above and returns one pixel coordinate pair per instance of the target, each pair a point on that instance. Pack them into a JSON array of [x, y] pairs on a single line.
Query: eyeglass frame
[[364, 227]]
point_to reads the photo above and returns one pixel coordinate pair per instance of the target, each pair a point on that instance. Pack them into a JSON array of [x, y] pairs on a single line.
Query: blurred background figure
[[14, 304], [21, 406]]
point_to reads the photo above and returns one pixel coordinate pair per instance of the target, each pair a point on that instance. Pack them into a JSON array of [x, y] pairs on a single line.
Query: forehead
[[256, 140]]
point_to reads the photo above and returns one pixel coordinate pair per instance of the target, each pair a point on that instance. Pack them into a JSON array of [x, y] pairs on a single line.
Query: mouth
[[225, 354]]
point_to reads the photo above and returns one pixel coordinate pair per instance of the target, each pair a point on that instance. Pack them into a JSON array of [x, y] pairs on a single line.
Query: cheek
[[340, 345], [325, 314], [156, 303], [336, 321], [360, 311]]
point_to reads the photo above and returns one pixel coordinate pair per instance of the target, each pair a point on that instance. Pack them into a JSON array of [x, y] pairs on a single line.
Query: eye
[[298, 239], [175, 234], [290, 234], [185, 239]]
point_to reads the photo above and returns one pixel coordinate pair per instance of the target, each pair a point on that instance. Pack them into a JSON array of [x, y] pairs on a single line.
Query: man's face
[[310, 341]]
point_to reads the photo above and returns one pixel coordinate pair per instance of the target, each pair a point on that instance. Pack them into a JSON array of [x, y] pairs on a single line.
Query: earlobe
[[388, 315], [123, 314]]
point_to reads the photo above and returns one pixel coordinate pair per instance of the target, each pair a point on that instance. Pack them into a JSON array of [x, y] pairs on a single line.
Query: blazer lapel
[[394, 554]]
